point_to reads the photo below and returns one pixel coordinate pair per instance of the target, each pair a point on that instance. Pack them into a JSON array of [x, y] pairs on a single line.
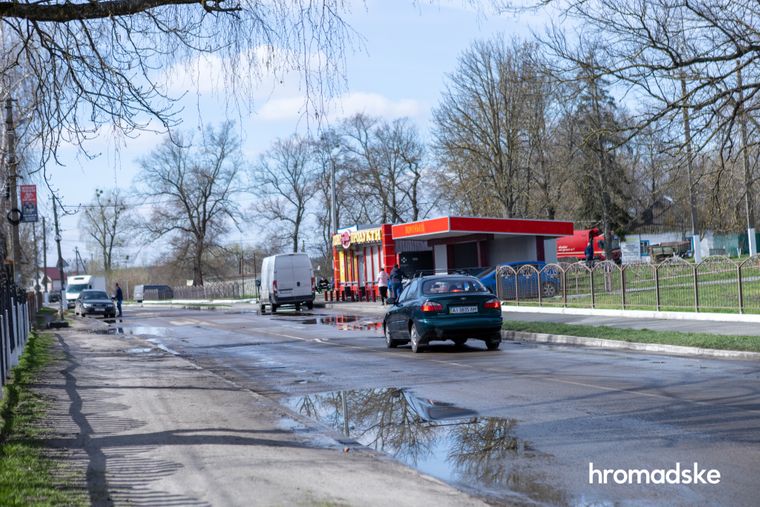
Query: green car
[[443, 307]]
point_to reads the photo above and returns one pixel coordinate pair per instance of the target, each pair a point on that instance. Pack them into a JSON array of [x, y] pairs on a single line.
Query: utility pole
[[60, 258], [44, 253], [14, 214], [690, 172], [37, 293], [749, 205]]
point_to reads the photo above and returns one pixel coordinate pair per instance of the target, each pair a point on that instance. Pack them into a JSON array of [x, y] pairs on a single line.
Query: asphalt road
[[528, 420]]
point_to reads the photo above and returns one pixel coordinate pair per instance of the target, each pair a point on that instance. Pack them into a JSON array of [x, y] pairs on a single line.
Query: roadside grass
[[27, 477], [702, 340]]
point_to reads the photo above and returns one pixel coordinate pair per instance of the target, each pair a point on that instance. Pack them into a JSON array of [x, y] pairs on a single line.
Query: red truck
[[573, 248]]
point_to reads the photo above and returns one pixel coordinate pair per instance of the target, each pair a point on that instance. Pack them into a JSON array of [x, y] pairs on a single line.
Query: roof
[[447, 227], [52, 273]]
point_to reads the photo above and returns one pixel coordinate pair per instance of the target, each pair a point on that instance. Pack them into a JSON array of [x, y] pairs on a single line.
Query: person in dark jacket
[[394, 281], [119, 298], [589, 253]]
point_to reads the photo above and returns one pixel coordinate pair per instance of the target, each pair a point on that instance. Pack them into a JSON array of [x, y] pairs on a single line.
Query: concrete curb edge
[[642, 314], [640, 347]]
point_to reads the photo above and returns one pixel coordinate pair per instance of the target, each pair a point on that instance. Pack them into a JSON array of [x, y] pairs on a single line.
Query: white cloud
[[346, 105]]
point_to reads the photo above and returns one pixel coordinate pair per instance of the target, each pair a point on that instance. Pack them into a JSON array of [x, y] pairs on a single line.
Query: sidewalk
[[147, 427]]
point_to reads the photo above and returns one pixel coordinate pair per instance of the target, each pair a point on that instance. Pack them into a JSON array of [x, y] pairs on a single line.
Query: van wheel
[[274, 308], [310, 305], [262, 308]]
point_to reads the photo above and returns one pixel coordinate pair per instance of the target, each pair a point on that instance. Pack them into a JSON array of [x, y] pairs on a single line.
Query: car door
[[407, 304], [396, 314]]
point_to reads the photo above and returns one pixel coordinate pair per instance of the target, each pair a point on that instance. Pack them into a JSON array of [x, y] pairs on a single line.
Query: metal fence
[[214, 290], [16, 311], [717, 284]]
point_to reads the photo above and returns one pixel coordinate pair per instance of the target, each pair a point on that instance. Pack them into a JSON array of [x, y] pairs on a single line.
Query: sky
[[398, 68]]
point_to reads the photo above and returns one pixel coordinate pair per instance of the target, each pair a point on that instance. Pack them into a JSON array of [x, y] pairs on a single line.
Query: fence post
[[3, 357], [622, 285], [593, 296], [564, 288], [657, 287], [739, 282], [540, 288], [696, 288]]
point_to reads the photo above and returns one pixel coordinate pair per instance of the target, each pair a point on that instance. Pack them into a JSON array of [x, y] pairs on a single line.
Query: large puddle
[[454, 444], [340, 322]]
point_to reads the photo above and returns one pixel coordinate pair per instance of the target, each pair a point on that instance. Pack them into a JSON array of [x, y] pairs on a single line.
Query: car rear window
[[452, 286]]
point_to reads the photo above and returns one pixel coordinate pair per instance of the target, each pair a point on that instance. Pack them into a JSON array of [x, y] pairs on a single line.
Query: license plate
[[463, 309]]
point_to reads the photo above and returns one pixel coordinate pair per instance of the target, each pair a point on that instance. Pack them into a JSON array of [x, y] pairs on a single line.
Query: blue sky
[[398, 69]]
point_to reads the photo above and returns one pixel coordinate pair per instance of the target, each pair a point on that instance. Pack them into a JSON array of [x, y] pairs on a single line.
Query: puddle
[[343, 322], [454, 444], [145, 350]]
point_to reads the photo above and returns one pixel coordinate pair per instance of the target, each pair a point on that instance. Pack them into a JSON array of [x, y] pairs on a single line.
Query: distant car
[[527, 281], [94, 302], [443, 307], [152, 292]]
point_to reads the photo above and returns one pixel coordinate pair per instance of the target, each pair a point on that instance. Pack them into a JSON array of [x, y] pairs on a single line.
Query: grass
[[27, 477], [702, 340]]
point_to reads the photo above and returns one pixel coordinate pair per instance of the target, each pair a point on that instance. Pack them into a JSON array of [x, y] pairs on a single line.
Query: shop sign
[[346, 238]]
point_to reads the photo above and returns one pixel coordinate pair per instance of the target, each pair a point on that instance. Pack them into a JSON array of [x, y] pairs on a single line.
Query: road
[[528, 419]]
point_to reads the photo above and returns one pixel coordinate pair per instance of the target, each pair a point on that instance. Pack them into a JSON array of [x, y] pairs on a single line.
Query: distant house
[[49, 280]]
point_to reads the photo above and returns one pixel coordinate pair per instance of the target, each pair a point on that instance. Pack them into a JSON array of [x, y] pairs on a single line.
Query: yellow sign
[[361, 237]]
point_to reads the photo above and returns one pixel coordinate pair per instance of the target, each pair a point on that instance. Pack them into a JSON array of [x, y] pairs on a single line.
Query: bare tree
[[284, 182], [105, 222], [479, 124], [193, 189], [87, 64]]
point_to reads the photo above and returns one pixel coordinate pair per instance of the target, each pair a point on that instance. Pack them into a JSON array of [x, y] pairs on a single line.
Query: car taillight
[[431, 306], [492, 304], [274, 286]]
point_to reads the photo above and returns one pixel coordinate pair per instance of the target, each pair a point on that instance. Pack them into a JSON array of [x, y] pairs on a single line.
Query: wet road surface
[[518, 425]]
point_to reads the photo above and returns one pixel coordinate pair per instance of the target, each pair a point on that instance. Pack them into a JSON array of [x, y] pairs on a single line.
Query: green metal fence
[[717, 284]]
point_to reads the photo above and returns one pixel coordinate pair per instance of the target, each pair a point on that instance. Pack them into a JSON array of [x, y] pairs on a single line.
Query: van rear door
[[302, 275]]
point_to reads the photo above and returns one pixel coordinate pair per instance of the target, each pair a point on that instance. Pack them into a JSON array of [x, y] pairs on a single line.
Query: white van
[[286, 279], [78, 283]]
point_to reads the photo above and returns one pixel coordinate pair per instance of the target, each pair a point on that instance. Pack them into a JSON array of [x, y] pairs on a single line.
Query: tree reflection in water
[[410, 429]]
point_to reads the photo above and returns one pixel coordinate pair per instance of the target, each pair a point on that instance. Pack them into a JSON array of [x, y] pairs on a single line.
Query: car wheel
[[310, 305], [274, 308], [417, 345], [549, 290], [459, 342], [494, 342], [262, 308], [389, 341], [298, 307]]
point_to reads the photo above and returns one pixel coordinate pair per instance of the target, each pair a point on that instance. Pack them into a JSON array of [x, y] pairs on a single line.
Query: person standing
[[589, 253], [396, 278], [119, 298], [382, 285]]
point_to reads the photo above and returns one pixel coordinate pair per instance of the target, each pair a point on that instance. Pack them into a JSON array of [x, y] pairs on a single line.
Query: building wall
[[521, 248]]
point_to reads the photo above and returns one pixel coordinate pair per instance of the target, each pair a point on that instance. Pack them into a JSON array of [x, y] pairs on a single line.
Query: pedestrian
[[119, 298], [395, 279], [382, 285], [589, 253]]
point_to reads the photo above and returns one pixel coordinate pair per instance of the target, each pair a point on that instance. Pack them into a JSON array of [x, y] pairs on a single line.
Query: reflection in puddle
[[344, 322], [451, 443]]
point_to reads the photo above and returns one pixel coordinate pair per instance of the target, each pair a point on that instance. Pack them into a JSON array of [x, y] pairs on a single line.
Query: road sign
[[28, 203]]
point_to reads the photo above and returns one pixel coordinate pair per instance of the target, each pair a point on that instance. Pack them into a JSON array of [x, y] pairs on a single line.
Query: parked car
[[94, 302], [527, 281], [153, 292], [443, 307], [286, 279]]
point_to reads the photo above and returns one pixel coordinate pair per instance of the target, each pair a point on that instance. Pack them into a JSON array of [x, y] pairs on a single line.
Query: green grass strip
[[702, 340], [27, 477]]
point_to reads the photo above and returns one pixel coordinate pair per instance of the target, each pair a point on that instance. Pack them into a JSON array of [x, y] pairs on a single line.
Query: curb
[[636, 346], [640, 314]]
